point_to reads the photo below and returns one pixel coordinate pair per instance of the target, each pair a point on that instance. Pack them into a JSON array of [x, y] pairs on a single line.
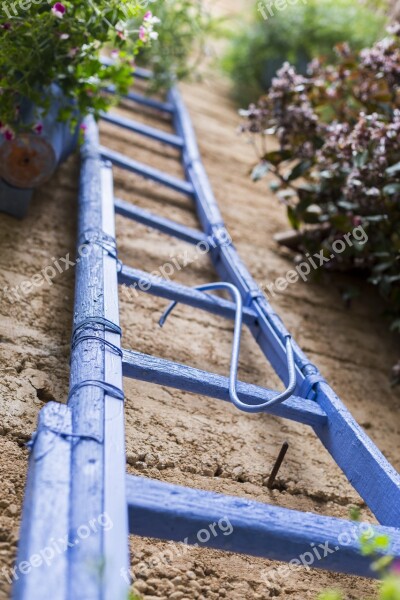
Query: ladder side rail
[[45, 515], [225, 258], [90, 404], [351, 448], [116, 550]]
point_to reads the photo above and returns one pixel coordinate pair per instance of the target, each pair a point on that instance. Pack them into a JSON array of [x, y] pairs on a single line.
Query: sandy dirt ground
[[173, 436]]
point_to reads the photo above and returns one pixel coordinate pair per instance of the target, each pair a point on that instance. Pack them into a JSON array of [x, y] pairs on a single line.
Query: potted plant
[[51, 73]]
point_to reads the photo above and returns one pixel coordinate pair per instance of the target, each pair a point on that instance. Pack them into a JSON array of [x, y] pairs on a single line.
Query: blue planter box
[[14, 201], [31, 159]]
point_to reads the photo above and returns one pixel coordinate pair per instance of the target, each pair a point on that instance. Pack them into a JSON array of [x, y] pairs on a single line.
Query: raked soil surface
[[177, 437]]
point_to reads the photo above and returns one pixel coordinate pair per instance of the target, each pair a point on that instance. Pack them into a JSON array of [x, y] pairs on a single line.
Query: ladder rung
[[142, 73], [145, 217], [179, 185], [167, 107], [142, 129], [235, 524], [141, 281], [164, 372], [138, 72], [150, 102]]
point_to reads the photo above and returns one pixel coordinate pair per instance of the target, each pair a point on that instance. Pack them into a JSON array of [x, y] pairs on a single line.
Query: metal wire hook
[[237, 298]]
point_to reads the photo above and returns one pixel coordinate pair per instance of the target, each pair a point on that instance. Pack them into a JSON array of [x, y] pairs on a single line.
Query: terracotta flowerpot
[[30, 159]]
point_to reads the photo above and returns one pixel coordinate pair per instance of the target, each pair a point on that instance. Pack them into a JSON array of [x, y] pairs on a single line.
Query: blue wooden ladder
[[77, 488]]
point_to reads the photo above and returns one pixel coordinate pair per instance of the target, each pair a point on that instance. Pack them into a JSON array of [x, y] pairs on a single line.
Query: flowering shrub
[[181, 44], [338, 161], [297, 33], [60, 43]]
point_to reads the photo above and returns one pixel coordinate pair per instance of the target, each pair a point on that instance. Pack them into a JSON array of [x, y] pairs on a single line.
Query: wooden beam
[[141, 281], [164, 372], [119, 160], [145, 130], [170, 512], [181, 232], [45, 517]]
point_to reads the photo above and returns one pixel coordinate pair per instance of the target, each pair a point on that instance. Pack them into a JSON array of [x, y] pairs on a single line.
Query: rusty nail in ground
[[277, 465]]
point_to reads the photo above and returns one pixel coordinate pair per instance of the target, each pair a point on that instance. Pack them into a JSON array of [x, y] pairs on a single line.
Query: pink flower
[[73, 52], [38, 128], [121, 35], [142, 33], [114, 54], [58, 10], [149, 19], [8, 133], [146, 32], [396, 567]]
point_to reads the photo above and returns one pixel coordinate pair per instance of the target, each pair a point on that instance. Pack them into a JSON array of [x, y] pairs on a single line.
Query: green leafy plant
[[388, 569], [377, 546], [43, 44], [296, 34], [337, 166], [181, 44]]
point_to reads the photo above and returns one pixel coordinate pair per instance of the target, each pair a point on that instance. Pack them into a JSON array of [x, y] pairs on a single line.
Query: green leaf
[[395, 326], [326, 174], [260, 171], [346, 205], [277, 156], [330, 595], [390, 589], [312, 214], [382, 542], [298, 170], [382, 563], [375, 218], [285, 193], [391, 189], [381, 267], [341, 223], [293, 218], [348, 295], [393, 170], [360, 159], [355, 512], [274, 186]]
